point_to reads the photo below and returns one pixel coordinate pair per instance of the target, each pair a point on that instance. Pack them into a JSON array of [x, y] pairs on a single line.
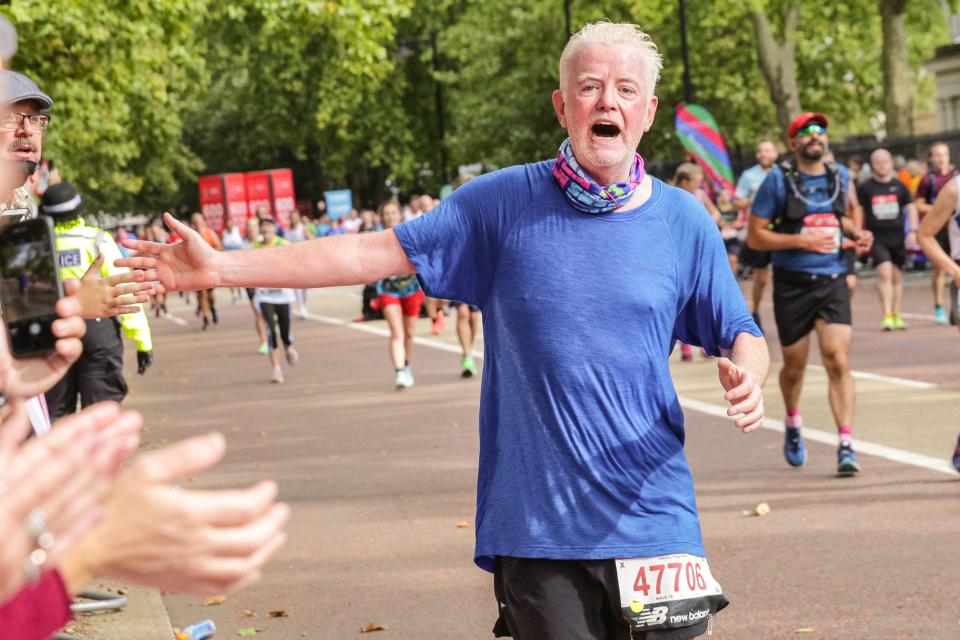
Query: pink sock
[[846, 432], [794, 421]]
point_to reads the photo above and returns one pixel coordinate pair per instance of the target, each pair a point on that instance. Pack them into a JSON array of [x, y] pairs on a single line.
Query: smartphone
[[30, 285]]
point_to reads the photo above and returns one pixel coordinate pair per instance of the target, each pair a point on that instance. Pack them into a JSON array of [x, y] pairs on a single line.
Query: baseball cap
[[17, 87], [803, 120]]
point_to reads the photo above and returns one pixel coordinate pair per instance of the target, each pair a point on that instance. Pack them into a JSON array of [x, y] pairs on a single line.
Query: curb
[[144, 617]]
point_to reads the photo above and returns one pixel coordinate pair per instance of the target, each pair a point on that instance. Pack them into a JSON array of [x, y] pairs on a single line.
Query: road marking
[[177, 319], [866, 375], [868, 448], [919, 316]]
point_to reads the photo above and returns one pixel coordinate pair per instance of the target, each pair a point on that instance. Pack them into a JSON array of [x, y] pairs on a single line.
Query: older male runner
[[585, 509], [800, 214]]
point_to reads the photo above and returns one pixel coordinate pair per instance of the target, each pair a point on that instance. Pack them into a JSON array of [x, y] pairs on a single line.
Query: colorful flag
[[699, 133]]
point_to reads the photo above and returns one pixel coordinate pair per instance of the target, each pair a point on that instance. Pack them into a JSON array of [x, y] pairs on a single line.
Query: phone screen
[[29, 284]]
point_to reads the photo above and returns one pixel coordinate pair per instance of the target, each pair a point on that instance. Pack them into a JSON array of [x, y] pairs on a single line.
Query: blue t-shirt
[[770, 202], [750, 181], [581, 432]]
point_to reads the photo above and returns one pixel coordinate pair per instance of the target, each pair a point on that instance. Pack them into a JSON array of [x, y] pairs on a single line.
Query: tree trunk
[[778, 62], [897, 84]]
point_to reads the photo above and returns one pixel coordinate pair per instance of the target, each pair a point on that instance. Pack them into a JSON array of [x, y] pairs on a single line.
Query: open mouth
[[605, 130]]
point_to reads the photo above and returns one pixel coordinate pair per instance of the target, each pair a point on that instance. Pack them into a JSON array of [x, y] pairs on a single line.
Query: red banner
[[258, 193], [284, 199], [211, 201], [236, 188]]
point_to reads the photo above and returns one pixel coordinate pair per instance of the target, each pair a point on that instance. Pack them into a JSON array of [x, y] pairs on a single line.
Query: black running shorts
[[566, 600], [800, 299], [888, 250], [733, 246], [753, 258]]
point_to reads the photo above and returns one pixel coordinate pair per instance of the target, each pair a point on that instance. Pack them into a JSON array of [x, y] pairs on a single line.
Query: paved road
[[379, 482]]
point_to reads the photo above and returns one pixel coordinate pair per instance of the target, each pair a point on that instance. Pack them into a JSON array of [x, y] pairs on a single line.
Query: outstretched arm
[[325, 262]]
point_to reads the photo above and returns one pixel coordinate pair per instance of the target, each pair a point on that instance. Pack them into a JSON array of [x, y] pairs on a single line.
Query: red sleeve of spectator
[[37, 611]]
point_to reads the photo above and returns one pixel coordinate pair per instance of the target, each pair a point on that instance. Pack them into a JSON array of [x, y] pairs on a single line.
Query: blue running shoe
[[956, 456], [846, 460], [940, 315], [793, 449]]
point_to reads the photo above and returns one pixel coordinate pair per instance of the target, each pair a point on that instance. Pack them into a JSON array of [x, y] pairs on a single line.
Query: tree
[[778, 61]]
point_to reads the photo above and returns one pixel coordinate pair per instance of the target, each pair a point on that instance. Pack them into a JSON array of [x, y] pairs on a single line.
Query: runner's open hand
[[185, 266], [744, 394]]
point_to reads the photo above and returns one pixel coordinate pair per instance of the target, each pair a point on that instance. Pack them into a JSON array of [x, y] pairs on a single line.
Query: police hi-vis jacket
[[78, 245]]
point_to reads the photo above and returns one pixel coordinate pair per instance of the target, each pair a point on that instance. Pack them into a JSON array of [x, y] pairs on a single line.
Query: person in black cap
[[85, 251]]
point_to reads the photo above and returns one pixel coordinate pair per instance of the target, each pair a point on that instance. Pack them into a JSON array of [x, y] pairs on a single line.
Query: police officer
[[98, 374]]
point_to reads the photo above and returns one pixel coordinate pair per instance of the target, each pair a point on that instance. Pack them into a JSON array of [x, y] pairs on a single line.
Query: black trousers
[[280, 312], [96, 376]]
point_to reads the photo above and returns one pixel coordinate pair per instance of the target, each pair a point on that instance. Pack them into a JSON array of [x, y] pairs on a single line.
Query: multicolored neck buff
[[585, 194]]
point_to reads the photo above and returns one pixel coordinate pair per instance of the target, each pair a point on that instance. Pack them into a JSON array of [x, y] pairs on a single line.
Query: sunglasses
[[810, 130]]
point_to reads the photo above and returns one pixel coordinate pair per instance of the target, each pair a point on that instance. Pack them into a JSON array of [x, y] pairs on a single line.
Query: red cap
[[803, 120]]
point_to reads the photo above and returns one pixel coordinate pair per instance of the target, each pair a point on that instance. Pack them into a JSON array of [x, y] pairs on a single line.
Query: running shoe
[[956, 456], [277, 375], [888, 323], [264, 349], [292, 356], [438, 323], [468, 367], [793, 449], [898, 322], [939, 315], [756, 319], [404, 378], [846, 460]]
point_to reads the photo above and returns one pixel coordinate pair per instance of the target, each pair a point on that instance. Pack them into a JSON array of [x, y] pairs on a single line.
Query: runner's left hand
[[864, 240], [744, 394]]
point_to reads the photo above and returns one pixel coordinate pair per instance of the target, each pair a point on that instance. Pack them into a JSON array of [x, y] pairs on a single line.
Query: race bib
[[886, 206], [667, 592], [823, 223]]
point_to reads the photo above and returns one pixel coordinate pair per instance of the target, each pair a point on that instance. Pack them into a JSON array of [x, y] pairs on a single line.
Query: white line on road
[[176, 319], [866, 375], [824, 437], [870, 448]]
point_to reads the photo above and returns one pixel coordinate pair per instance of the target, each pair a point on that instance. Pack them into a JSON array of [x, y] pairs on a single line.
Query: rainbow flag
[[699, 133]]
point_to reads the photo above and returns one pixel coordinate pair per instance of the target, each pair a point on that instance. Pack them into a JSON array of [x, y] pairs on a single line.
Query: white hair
[[611, 33]]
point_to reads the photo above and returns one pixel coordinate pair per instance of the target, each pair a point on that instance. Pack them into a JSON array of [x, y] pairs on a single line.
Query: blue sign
[[339, 203]]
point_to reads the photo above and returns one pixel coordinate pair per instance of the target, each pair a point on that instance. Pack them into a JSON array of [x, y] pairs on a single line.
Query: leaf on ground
[[248, 631], [463, 524], [249, 614], [278, 614], [761, 509], [373, 627], [209, 601]]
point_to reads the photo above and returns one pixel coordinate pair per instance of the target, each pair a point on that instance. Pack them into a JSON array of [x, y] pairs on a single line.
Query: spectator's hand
[[112, 296], [744, 394], [818, 242], [61, 477], [144, 360], [185, 266], [25, 377], [203, 542]]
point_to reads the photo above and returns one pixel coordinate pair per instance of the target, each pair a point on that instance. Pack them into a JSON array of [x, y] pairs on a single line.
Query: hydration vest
[[791, 217]]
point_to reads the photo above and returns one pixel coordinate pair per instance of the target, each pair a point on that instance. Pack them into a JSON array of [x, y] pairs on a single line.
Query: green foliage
[[151, 93]]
